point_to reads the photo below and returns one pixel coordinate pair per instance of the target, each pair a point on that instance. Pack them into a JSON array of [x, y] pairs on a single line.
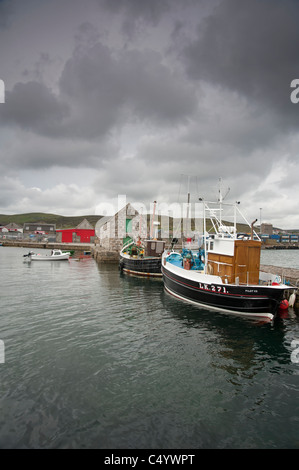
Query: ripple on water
[[98, 359]]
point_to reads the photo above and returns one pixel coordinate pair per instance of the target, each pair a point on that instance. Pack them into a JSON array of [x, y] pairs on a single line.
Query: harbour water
[[281, 258], [98, 359]]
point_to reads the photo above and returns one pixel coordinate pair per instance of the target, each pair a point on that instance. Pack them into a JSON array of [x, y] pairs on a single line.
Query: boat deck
[[177, 260]]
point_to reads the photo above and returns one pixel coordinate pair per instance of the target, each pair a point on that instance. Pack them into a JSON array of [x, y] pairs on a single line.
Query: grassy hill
[[61, 221], [72, 221]]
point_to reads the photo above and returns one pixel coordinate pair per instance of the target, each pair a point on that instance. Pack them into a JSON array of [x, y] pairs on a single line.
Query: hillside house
[[12, 227], [11, 231]]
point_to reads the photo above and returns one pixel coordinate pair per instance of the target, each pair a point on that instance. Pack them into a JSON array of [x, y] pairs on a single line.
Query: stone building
[[118, 229]]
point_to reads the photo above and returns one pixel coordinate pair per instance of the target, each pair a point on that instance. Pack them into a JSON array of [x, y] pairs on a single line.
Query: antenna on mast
[[221, 198]]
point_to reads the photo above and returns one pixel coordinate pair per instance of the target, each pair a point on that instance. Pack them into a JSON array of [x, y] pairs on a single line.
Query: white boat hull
[[56, 255], [49, 258]]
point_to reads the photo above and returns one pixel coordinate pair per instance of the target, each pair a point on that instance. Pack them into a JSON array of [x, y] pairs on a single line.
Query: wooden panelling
[[243, 267], [221, 265]]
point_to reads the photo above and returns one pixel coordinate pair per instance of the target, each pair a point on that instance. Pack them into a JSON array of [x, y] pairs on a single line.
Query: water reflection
[[244, 344], [241, 347], [100, 359]]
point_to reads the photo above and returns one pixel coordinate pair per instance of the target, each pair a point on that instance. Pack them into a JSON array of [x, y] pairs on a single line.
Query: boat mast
[[220, 200], [188, 198], [140, 223], [152, 225], [204, 237]]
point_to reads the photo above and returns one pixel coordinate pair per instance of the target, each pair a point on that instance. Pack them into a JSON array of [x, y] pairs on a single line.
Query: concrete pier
[[101, 255], [49, 245], [288, 274]]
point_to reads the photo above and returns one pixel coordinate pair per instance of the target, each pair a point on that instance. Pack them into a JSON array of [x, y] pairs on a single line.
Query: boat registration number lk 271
[[212, 288]]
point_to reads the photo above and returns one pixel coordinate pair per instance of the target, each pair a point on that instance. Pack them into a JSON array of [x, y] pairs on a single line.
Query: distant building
[[267, 229], [12, 227], [11, 231], [39, 228], [83, 233]]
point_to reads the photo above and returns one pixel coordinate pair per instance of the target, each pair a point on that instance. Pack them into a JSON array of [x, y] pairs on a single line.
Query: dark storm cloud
[[137, 8], [41, 152], [250, 47], [134, 11], [133, 93], [91, 84], [104, 85], [97, 89], [33, 106], [5, 13]]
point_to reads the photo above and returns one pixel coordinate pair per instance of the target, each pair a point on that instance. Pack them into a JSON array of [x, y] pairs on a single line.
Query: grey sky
[[109, 97]]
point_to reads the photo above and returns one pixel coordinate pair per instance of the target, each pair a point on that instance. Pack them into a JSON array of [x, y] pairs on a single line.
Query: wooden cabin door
[[247, 261]]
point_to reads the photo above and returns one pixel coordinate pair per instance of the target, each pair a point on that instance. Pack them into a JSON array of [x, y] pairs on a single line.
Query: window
[[160, 247]]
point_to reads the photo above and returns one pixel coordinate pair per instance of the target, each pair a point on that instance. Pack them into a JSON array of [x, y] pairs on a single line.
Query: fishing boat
[[223, 271], [56, 255], [142, 258]]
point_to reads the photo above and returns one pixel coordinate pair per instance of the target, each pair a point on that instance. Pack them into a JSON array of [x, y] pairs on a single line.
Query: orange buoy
[[284, 304]]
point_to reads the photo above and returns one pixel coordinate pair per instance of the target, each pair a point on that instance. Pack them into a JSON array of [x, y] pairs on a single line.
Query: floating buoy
[[284, 304], [292, 300]]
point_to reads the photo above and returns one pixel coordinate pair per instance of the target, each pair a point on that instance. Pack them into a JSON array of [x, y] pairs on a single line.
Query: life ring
[[210, 269]]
